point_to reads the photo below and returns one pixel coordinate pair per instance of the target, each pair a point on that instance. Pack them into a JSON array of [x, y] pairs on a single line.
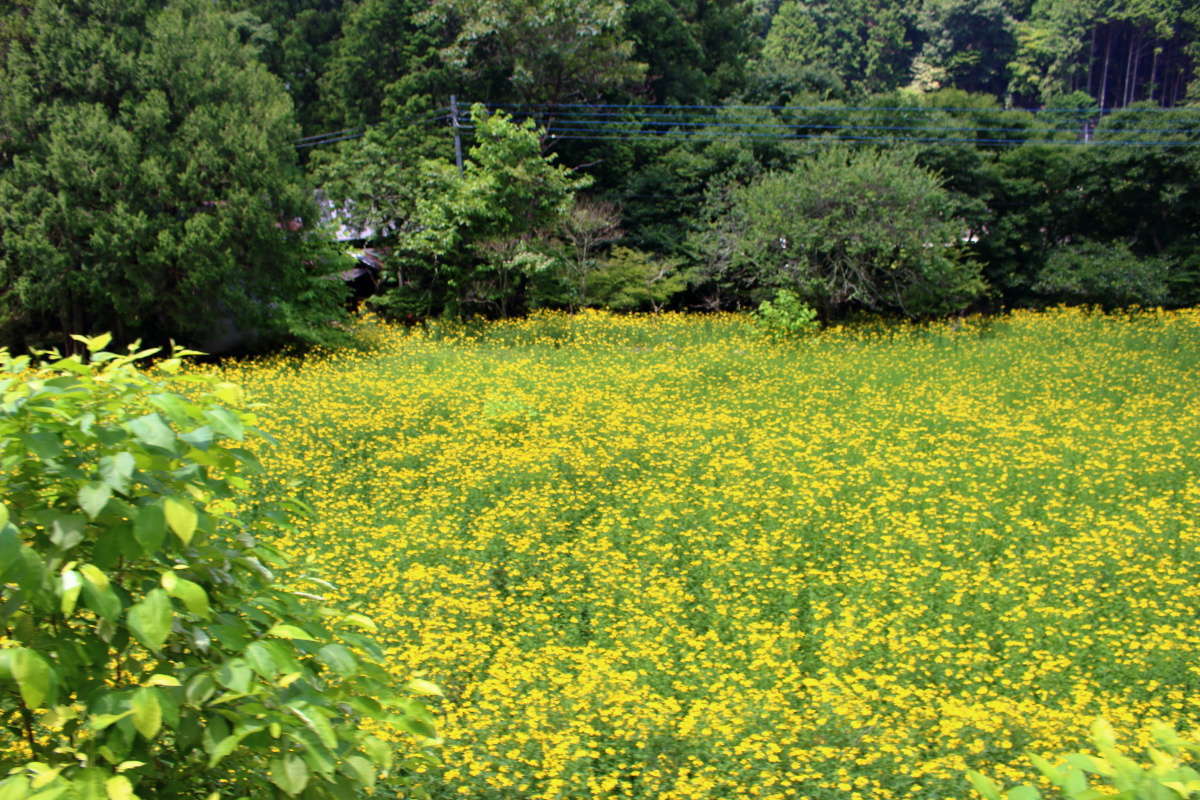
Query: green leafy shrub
[[1105, 273], [147, 647], [1167, 777], [630, 279], [852, 229], [786, 317]]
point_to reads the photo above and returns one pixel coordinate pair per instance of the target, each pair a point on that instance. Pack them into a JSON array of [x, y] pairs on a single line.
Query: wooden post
[[457, 134]]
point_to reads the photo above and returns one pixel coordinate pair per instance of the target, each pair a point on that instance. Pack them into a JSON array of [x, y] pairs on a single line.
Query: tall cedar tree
[[147, 175]]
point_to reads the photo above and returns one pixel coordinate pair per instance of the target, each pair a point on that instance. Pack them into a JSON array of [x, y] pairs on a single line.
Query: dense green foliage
[[148, 647], [844, 229], [1168, 776], [145, 170], [147, 183]]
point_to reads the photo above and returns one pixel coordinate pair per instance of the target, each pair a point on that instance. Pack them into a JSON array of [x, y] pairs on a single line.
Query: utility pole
[[457, 134]]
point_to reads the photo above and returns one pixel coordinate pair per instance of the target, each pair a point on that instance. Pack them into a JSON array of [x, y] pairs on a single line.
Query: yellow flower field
[[660, 557]]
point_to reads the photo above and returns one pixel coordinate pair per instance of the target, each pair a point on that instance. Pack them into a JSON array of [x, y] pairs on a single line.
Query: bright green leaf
[[235, 675], [118, 787], [150, 620], [36, 679], [424, 687], [116, 471], [70, 588], [181, 517], [225, 422], [262, 660], [151, 430], [193, 596], [98, 593], [289, 773], [147, 713], [317, 724], [93, 497], [339, 659], [284, 631]]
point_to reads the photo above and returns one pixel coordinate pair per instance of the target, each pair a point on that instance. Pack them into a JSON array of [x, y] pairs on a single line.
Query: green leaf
[[224, 748], [118, 787], [360, 621], [66, 530], [262, 660], [225, 422], [379, 751], [70, 587], [14, 788], [339, 659], [98, 722], [147, 713], [235, 675], [94, 343], [98, 593], [199, 689], [984, 785], [3, 515], [193, 596], [150, 528], [317, 724], [181, 517], [284, 631], [150, 620], [151, 430], [289, 773], [116, 471], [93, 497], [10, 548], [36, 679], [418, 726], [363, 772], [1023, 792], [424, 687], [201, 438]]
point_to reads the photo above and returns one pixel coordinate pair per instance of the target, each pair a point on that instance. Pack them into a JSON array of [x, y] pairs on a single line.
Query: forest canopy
[[159, 160]]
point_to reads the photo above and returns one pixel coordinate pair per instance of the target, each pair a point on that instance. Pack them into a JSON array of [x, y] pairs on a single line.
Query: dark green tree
[[968, 45], [298, 39], [148, 182], [868, 44]]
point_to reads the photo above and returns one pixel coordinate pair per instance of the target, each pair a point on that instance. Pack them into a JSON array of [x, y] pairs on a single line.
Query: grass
[[658, 557]]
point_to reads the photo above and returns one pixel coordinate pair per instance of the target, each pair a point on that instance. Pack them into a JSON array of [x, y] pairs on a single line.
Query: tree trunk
[[1126, 89], [1154, 71], [1137, 65], [1104, 72], [1091, 60]]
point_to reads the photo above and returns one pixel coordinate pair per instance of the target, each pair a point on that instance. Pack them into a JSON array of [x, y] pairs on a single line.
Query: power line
[[330, 137], [906, 109], [836, 134]]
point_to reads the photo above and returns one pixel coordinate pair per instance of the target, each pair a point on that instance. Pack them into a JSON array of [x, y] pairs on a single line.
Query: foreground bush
[[147, 648], [1168, 777]]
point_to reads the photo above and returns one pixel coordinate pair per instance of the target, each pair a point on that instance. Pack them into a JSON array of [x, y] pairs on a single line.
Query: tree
[[868, 45], [298, 39], [383, 59], [850, 229], [540, 51], [484, 231], [968, 45], [148, 180]]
